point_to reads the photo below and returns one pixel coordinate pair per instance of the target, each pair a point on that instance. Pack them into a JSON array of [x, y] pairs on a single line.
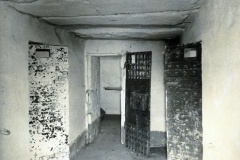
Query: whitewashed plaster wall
[[110, 76], [218, 26], [16, 30], [94, 103], [157, 83]]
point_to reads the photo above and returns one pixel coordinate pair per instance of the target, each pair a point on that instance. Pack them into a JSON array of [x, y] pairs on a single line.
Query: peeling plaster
[[49, 105]]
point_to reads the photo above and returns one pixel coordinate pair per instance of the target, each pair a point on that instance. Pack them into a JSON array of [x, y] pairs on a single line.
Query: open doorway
[[103, 92], [110, 85], [93, 54], [110, 96]]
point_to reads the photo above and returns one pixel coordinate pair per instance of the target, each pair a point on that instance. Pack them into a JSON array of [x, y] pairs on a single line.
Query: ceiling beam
[[128, 33], [141, 26], [159, 18], [74, 8]]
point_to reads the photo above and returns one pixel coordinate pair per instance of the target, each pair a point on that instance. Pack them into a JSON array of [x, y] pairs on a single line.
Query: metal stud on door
[[138, 82], [183, 84]]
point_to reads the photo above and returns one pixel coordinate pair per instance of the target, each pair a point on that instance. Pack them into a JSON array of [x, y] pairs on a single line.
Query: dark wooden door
[[183, 84], [138, 84]]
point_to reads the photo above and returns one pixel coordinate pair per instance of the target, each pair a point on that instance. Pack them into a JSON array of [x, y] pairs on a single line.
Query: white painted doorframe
[[88, 79]]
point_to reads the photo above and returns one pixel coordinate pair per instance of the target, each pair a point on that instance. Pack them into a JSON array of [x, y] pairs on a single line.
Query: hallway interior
[[63, 60], [107, 145]]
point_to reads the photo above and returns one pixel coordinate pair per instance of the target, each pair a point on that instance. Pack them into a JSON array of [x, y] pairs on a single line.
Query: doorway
[[110, 85], [104, 81]]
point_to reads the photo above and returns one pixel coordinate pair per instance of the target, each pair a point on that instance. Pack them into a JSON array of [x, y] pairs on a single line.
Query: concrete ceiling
[[114, 19]]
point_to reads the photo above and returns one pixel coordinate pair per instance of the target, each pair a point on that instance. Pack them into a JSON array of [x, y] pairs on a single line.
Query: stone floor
[[108, 147]]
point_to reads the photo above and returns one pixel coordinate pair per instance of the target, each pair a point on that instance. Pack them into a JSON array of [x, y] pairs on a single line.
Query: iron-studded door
[[137, 111], [48, 111], [183, 84]]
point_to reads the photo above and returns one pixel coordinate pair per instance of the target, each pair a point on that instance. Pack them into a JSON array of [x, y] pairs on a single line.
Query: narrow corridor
[[108, 146]]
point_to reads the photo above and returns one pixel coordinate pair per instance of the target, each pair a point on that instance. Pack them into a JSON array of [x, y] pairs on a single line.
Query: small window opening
[[133, 59], [42, 53], [190, 52]]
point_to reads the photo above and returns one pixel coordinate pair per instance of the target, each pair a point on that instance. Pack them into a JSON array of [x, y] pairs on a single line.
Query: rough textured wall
[[93, 101], [16, 30], [110, 76], [76, 82], [218, 26], [94, 109], [157, 85]]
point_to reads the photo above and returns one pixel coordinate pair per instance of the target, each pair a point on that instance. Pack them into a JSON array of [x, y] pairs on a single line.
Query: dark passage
[[108, 146]]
